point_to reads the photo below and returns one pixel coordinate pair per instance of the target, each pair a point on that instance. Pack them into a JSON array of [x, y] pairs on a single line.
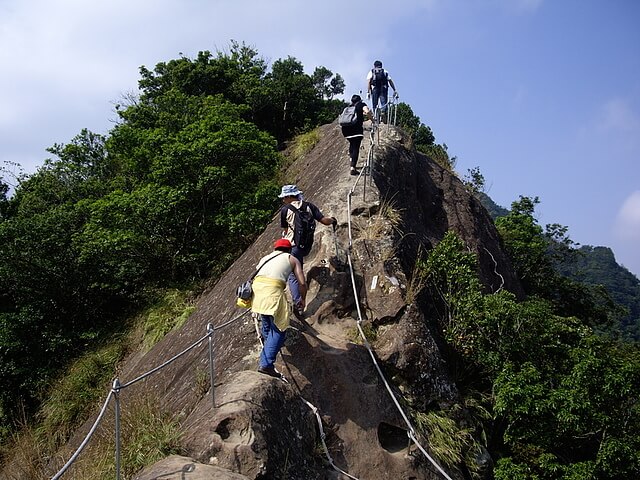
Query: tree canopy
[[178, 188]]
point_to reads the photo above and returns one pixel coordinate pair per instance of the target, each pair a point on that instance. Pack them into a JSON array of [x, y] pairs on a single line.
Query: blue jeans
[[381, 95], [299, 253], [273, 340]]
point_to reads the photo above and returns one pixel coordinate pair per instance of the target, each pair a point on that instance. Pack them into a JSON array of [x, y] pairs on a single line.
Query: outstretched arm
[[329, 221]]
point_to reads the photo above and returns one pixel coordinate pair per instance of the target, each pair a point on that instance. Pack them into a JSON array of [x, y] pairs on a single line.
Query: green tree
[[336, 86], [197, 169], [178, 188], [420, 133], [534, 253], [564, 400], [293, 96], [326, 84], [4, 189], [283, 102], [474, 180], [597, 268], [320, 78], [526, 244]]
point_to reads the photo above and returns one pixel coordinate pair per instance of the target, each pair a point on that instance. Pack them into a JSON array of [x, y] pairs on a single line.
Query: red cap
[[282, 243]]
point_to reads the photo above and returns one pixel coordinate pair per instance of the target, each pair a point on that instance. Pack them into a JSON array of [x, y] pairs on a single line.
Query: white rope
[[322, 438], [135, 380], [313, 409], [86, 439], [495, 270], [424, 452], [411, 431]]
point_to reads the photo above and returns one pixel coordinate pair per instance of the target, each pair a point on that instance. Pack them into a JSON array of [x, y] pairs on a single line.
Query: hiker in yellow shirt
[[271, 303]]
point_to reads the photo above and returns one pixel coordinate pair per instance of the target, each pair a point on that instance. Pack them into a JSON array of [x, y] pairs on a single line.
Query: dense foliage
[[591, 268], [283, 102], [564, 400], [597, 266], [177, 189]]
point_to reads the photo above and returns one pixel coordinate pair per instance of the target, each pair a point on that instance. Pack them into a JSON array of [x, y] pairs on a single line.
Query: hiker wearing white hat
[[298, 221]]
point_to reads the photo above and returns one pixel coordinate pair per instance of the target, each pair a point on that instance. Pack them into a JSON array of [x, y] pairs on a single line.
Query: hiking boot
[[354, 171], [272, 372]]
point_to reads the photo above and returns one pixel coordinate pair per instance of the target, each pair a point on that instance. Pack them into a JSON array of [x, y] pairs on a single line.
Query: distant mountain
[[492, 207], [595, 266], [598, 266]]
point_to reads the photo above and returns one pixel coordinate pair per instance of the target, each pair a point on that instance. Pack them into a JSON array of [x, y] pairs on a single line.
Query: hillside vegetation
[[179, 187], [105, 244], [594, 267]]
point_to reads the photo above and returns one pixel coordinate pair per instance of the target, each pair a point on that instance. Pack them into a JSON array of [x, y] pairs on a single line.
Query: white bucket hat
[[289, 191]]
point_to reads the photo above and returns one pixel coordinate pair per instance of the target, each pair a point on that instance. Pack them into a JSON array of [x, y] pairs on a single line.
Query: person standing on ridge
[[270, 301], [378, 81], [355, 133], [298, 222]]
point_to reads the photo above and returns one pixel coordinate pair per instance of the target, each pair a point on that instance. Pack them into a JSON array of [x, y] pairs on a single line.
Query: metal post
[[116, 395], [364, 183], [395, 114], [210, 331]]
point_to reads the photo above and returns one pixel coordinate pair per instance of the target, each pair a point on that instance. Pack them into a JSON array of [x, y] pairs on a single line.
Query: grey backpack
[[348, 117]]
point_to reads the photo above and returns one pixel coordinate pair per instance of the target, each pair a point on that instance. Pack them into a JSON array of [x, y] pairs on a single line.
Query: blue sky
[[543, 96]]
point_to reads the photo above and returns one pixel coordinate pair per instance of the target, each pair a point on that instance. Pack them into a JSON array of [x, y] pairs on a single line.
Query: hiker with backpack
[[378, 81], [351, 121], [298, 221], [270, 302]]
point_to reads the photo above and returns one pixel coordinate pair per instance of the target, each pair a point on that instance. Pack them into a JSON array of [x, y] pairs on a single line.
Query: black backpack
[[304, 225], [379, 78], [348, 117]]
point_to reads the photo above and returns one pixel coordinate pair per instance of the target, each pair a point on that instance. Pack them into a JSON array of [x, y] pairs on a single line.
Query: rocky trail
[[263, 428]]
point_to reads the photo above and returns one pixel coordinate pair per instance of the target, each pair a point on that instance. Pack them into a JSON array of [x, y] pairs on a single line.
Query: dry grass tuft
[[417, 281], [168, 313], [147, 435], [375, 227]]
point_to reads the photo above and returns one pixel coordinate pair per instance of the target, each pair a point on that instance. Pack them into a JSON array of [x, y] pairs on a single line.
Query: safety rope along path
[[117, 387], [312, 407], [411, 431]]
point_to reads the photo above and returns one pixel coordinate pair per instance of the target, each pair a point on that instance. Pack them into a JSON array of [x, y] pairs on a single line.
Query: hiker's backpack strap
[[283, 216]]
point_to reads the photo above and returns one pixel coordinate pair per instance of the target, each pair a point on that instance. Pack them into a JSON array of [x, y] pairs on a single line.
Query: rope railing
[[390, 109], [323, 436], [411, 431], [117, 388], [84, 443]]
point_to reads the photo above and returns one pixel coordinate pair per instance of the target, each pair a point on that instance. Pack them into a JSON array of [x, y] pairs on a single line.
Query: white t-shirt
[[370, 76], [278, 268]]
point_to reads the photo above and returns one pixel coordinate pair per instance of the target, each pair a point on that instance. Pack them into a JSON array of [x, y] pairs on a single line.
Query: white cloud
[[618, 115], [69, 59], [627, 225]]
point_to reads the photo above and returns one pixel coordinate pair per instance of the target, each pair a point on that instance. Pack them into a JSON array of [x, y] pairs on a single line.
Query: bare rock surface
[[177, 467], [262, 428]]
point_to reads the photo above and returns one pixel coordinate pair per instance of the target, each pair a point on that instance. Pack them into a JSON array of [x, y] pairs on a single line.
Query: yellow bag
[[243, 303]]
